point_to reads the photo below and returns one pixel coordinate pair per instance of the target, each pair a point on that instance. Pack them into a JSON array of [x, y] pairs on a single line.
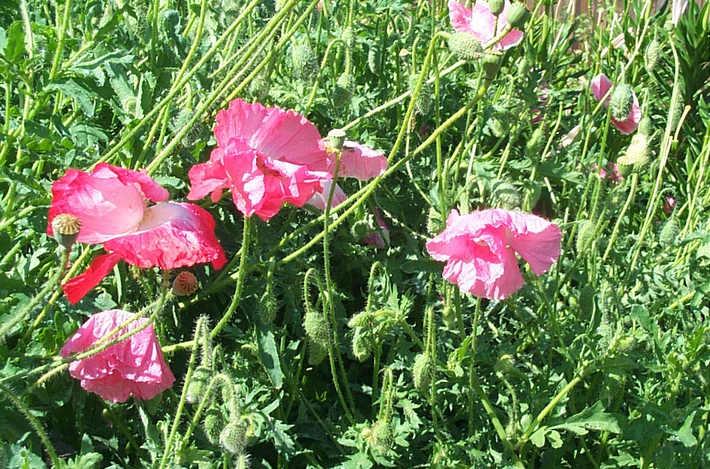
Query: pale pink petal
[[77, 287], [536, 240], [208, 178], [106, 206], [147, 185], [361, 162], [320, 198], [171, 235], [600, 86], [480, 23], [134, 366]]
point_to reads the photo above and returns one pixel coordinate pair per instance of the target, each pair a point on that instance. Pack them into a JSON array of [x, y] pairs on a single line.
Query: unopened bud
[[621, 101], [233, 437], [197, 386], [185, 284], [317, 329], [637, 154], [586, 302], [424, 370], [669, 233], [650, 58], [343, 92], [381, 438], [423, 102], [507, 195], [362, 344], [646, 127], [267, 307], [213, 424], [305, 64], [585, 236], [66, 229], [465, 47], [491, 65]]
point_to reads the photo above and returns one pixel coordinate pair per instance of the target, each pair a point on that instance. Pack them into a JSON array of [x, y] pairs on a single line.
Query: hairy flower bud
[[435, 223], [491, 65], [362, 344], [197, 386], [373, 58], [305, 64], [423, 102], [669, 233], [585, 236], [213, 424], [637, 155], [506, 195], [652, 55], [465, 47], [646, 127], [621, 101], [381, 438], [586, 302], [343, 91], [233, 437], [267, 307], [423, 370], [66, 229], [536, 142], [317, 329]]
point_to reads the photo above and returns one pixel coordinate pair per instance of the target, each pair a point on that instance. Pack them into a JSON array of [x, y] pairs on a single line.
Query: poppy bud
[[517, 15], [213, 424], [424, 370], [348, 37], [373, 58], [465, 47], [669, 233], [185, 284], [197, 386], [316, 353], [317, 329], [621, 101], [637, 154], [646, 127], [305, 64], [362, 319], [435, 223], [423, 102], [585, 236], [586, 302], [233, 437], [267, 307], [650, 58], [381, 438], [537, 140], [343, 91], [496, 6], [507, 195], [66, 229], [362, 344]]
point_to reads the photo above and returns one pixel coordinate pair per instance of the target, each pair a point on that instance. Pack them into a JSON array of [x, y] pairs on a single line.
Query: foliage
[[602, 362]]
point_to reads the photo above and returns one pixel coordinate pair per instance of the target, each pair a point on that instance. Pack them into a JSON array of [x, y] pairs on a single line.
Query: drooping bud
[[491, 65], [373, 58], [267, 307], [66, 229], [361, 319], [348, 37], [669, 233], [586, 302], [637, 155], [185, 284], [585, 236], [621, 101], [343, 91], [381, 438], [197, 386], [337, 138], [517, 15], [423, 370], [534, 145], [233, 437], [652, 55], [213, 424], [496, 6], [465, 47], [507, 195], [423, 102], [646, 127], [305, 64], [316, 353], [317, 329], [362, 344]]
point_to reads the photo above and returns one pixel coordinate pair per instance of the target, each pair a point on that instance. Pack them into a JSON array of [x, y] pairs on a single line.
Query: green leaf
[[268, 354], [591, 418], [538, 437], [71, 88], [685, 432], [15, 42]]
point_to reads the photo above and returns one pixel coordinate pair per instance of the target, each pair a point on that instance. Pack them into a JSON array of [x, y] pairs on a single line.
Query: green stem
[[60, 40], [620, 219]]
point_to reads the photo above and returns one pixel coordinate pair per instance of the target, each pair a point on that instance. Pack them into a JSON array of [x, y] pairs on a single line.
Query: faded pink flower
[[356, 161], [668, 205], [613, 175], [600, 86], [133, 367], [112, 204], [479, 250], [480, 23], [381, 237], [267, 157]]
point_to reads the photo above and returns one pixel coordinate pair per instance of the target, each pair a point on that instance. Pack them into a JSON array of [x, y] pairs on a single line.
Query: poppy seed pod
[[185, 284], [621, 102], [496, 6], [465, 47], [491, 65], [517, 15], [337, 138], [66, 229]]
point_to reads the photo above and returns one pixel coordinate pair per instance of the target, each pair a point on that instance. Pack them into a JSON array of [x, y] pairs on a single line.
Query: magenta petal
[[600, 86], [480, 23], [320, 198], [536, 240], [134, 366], [208, 178], [77, 287], [172, 235]]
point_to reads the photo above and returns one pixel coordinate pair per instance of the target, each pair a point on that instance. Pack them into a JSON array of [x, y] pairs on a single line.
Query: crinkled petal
[[536, 240], [77, 287], [171, 235], [361, 162], [135, 366], [320, 198], [600, 86], [106, 205], [480, 23], [208, 178], [276, 133]]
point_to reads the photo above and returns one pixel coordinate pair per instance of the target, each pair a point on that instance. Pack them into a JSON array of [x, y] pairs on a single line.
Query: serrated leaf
[[14, 42], [685, 433], [591, 418], [268, 354], [71, 88]]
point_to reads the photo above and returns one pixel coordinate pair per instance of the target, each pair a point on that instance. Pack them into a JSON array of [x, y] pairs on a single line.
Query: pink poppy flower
[[479, 250], [479, 22], [668, 205], [266, 156], [379, 238], [600, 86], [112, 204], [133, 367]]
